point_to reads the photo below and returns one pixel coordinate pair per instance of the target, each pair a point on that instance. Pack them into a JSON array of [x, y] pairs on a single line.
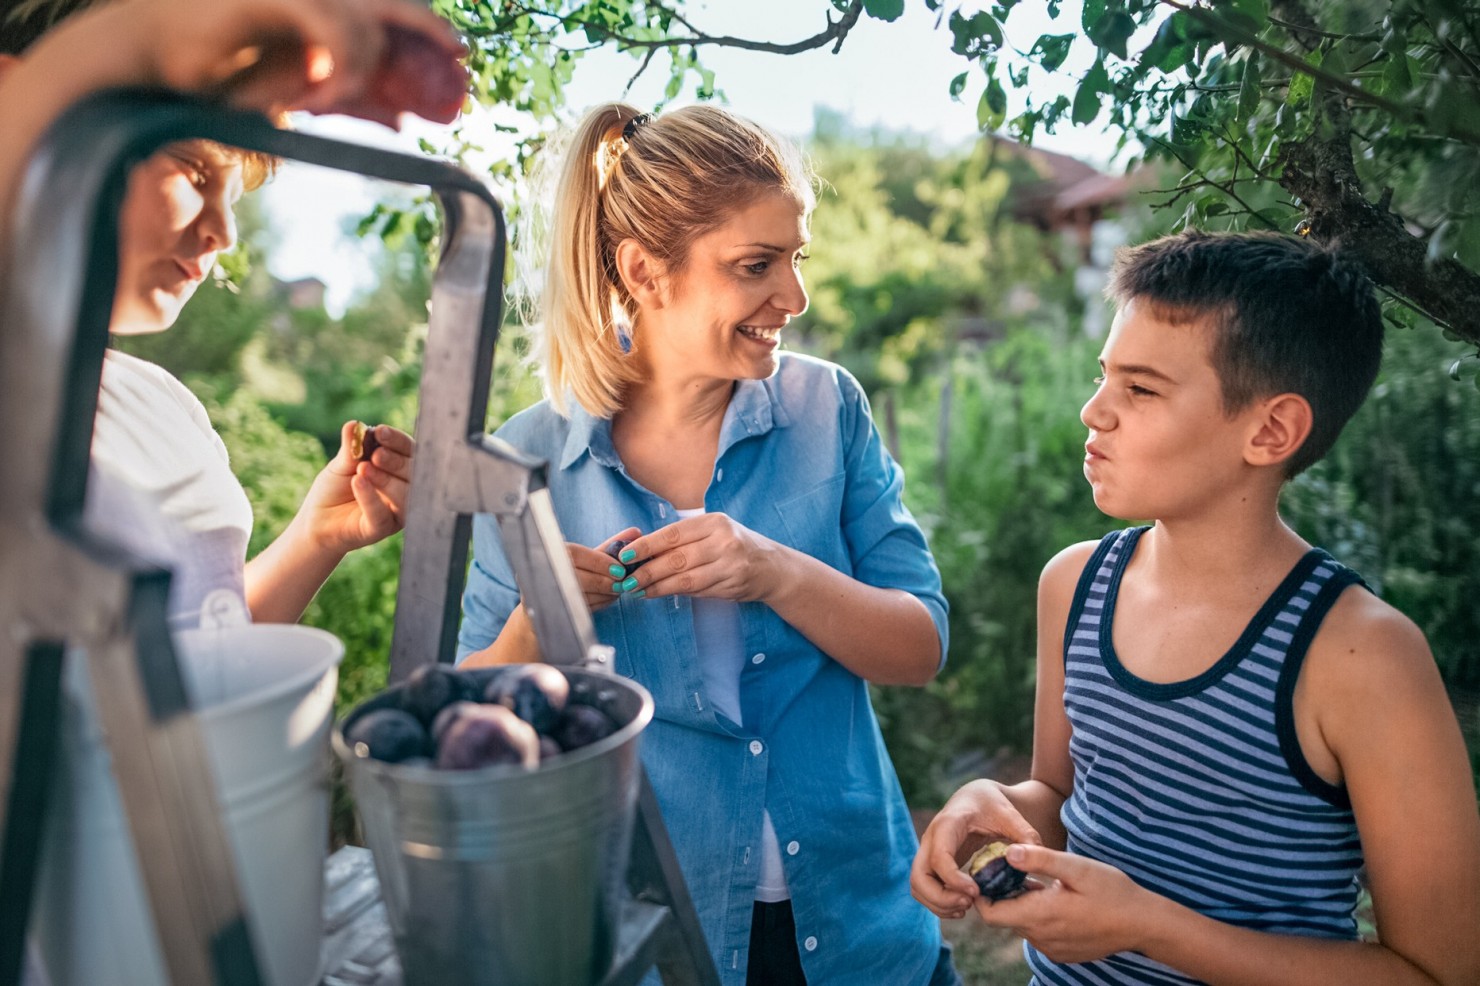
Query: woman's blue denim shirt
[[800, 462]]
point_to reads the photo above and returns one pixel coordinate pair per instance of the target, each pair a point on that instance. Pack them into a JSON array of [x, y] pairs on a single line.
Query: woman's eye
[[759, 268]]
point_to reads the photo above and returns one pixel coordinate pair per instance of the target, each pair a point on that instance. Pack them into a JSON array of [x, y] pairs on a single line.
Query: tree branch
[[836, 31], [1229, 31], [1322, 174]]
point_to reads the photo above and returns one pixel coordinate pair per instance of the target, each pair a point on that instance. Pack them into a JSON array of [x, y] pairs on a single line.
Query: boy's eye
[[1141, 391]]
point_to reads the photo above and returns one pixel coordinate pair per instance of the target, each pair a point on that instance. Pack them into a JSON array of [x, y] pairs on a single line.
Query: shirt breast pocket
[[813, 522]]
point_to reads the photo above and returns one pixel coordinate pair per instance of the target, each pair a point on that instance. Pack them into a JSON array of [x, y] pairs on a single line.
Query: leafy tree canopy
[[1349, 120]]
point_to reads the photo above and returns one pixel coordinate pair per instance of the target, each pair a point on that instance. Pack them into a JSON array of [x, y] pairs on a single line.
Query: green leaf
[[1301, 86], [991, 110], [1090, 15], [1255, 10], [1052, 49], [957, 85], [1087, 99], [884, 10], [1169, 50], [976, 35], [1249, 92], [1112, 31]]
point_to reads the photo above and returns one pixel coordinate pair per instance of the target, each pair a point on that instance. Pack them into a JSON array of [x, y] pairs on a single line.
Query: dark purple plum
[[995, 878], [487, 735], [388, 734], [615, 550], [536, 693], [582, 725], [447, 716], [549, 748], [431, 688]]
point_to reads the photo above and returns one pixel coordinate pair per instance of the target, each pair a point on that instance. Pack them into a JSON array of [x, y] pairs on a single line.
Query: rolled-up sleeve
[[491, 594], [886, 545]]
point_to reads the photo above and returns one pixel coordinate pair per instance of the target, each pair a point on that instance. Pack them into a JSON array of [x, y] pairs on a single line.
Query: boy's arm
[[318, 55], [1026, 812], [1381, 711]]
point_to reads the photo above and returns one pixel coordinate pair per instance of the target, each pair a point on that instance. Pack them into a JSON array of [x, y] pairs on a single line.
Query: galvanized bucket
[[503, 876]]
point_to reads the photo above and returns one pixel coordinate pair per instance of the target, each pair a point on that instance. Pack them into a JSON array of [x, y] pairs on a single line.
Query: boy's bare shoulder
[[1062, 572], [1366, 647]]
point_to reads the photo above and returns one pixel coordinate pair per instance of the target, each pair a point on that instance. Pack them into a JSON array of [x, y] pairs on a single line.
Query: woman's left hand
[[1085, 909], [711, 555], [355, 503]]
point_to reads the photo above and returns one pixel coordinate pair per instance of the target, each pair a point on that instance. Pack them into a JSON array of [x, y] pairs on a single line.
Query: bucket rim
[[279, 687], [421, 773]]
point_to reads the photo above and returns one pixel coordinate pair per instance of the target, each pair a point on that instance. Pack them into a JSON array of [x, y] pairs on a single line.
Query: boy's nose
[[217, 225], [1095, 414]]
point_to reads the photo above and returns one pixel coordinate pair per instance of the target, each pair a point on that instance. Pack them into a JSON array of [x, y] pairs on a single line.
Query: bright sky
[[895, 75]]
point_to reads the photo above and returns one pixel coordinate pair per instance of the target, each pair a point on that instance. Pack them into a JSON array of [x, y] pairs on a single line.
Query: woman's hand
[[711, 555], [1085, 910], [974, 815], [600, 575], [352, 503], [369, 58]]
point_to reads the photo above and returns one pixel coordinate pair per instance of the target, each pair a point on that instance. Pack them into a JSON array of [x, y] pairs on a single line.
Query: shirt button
[[757, 659], [755, 747], [810, 944], [793, 847], [719, 475]]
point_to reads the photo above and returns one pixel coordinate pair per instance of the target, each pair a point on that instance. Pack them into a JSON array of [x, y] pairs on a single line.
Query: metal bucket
[[503, 876]]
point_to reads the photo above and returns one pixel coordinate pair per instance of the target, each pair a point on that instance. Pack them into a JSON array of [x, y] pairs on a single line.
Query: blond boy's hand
[[353, 503], [974, 815]]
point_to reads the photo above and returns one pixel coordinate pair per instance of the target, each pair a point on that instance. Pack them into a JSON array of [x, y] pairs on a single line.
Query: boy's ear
[[1282, 426], [641, 274]]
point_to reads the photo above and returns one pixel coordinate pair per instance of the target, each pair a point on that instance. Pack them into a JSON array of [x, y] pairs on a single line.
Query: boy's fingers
[[1045, 863]]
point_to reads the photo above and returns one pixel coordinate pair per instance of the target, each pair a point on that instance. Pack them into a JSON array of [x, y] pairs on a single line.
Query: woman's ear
[[641, 274], [1283, 424]]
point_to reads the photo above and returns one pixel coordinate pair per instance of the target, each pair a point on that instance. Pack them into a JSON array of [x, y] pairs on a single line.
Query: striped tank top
[[1197, 789]]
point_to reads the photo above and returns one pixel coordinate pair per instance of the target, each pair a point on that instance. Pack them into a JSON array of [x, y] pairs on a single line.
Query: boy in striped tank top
[[1228, 724]]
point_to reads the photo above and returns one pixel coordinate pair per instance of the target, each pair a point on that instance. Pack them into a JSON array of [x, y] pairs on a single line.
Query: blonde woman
[[772, 569]]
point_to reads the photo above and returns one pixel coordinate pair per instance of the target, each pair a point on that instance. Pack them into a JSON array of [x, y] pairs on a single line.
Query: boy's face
[[177, 216], [1160, 445]]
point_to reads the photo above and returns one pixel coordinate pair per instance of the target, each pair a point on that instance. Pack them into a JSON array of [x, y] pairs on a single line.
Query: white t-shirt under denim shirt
[[721, 654]]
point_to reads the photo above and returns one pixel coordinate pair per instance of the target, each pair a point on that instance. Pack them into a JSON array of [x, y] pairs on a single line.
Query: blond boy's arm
[[1383, 714]]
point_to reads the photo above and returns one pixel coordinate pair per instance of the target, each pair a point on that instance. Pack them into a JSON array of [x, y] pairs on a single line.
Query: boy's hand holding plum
[[976, 814]]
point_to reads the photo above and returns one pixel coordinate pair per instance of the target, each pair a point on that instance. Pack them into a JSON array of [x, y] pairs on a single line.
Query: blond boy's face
[[1160, 445], [177, 216]]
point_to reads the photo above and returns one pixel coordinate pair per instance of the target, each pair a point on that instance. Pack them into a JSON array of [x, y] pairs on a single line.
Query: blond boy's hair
[[22, 22]]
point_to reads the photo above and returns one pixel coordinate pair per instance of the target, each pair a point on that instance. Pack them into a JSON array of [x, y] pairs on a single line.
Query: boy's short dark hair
[[1289, 316]]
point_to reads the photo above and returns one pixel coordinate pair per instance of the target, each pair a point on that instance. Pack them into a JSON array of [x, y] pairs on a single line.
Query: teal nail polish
[[630, 583], [616, 587], [639, 594], [617, 571], [628, 555]]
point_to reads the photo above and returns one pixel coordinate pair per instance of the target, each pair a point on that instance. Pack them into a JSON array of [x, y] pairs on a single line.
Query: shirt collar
[[755, 408]]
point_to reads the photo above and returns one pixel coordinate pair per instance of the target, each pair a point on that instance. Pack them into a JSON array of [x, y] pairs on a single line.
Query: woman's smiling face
[[722, 314]]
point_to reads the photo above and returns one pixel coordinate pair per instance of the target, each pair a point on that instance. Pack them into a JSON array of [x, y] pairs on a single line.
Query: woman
[[779, 570]]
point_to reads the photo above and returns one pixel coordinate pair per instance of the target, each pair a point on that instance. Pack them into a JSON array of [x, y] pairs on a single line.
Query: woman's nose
[[791, 296]]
